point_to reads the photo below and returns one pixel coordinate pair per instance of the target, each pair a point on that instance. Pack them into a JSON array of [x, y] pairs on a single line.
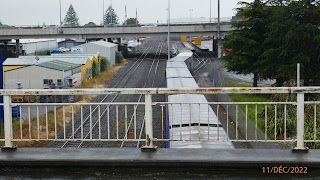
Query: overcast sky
[[36, 12]]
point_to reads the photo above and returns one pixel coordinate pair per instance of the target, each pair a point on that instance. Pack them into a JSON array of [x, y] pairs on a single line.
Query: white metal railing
[[76, 123]]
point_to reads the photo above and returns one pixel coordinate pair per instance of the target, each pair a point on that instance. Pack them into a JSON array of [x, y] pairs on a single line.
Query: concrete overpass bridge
[[113, 32]]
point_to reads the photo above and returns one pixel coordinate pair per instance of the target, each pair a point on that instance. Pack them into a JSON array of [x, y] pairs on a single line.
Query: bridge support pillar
[[300, 124], [17, 47], [149, 127], [119, 44]]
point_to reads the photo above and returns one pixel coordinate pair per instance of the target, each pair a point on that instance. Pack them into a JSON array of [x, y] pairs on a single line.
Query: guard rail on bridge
[[270, 118]]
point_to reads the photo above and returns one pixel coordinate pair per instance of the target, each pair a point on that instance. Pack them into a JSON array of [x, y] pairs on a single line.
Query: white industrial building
[[42, 75], [30, 46], [106, 49]]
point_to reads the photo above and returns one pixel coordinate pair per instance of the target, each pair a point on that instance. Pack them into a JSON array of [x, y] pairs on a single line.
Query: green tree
[[110, 17], [104, 64], [247, 39], [90, 24], [293, 37], [71, 18], [131, 21]]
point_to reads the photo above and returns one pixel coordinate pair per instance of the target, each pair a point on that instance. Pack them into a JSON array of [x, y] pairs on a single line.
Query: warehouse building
[[84, 60], [69, 43], [31, 46], [43, 75], [105, 49]]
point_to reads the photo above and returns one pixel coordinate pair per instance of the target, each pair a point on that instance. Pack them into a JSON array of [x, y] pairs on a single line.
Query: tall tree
[[247, 39], [71, 18], [294, 37], [110, 17], [131, 21]]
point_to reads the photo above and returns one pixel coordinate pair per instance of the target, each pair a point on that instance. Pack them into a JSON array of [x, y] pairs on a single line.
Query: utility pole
[[168, 29], [137, 16], [125, 16]]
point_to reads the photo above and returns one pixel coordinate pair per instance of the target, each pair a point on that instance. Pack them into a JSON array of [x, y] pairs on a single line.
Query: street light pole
[[168, 29], [111, 14], [210, 11], [103, 12], [60, 13], [219, 20], [136, 16], [191, 10]]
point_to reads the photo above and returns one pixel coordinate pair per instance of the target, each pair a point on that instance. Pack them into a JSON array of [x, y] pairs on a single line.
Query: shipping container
[[184, 39]]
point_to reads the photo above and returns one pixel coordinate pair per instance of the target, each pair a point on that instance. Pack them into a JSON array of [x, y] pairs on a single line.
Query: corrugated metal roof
[[27, 60], [199, 137], [176, 116], [77, 55], [58, 65], [30, 60], [195, 122], [181, 57], [28, 41], [178, 73], [174, 64], [104, 43], [181, 83]]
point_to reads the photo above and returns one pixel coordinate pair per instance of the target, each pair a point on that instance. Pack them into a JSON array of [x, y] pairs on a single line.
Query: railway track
[[155, 64], [201, 62], [88, 126], [85, 130]]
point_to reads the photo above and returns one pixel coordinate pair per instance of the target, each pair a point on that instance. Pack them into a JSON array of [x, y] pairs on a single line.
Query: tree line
[[273, 37], [110, 18]]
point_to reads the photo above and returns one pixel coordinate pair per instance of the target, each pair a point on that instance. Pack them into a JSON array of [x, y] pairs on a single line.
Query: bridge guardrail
[[127, 124]]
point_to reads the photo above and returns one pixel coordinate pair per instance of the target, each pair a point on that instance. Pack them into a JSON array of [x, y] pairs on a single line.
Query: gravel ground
[[204, 80], [132, 80]]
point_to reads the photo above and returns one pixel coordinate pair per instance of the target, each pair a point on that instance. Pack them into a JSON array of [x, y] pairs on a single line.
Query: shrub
[[119, 58], [95, 71], [104, 64], [42, 53]]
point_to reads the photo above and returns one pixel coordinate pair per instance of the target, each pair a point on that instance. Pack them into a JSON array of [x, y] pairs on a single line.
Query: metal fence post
[[7, 123], [148, 125], [300, 123]]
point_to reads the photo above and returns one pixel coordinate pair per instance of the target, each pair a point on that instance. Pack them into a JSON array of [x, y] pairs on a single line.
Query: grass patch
[[101, 80], [250, 98]]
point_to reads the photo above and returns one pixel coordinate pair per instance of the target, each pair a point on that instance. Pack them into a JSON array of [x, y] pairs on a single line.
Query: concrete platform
[[167, 162]]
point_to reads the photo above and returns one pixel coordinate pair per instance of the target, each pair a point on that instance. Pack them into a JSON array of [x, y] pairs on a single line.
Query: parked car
[[56, 51], [64, 49]]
